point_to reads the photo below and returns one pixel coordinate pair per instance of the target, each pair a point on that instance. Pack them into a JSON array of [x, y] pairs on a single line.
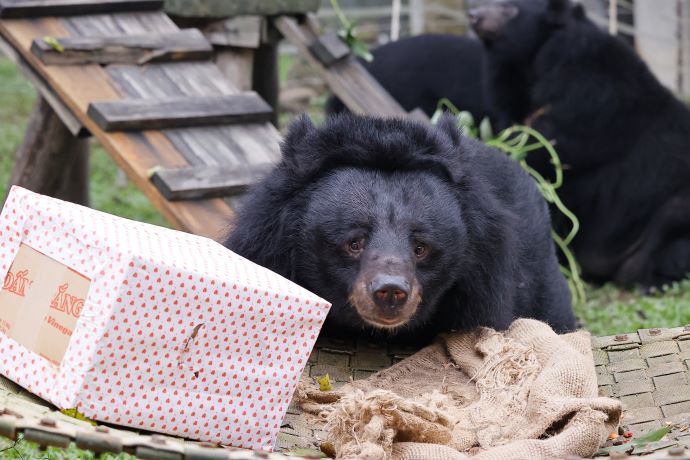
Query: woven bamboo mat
[[647, 370]]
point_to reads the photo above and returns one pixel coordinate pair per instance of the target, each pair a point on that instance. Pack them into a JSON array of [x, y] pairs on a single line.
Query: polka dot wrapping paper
[[176, 335]]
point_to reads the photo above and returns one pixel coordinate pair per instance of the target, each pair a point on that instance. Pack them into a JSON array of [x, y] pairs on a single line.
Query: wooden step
[[179, 112], [329, 49], [14, 9], [196, 182], [184, 45]]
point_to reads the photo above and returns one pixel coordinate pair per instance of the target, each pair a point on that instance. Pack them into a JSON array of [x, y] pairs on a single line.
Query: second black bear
[[408, 230], [623, 137], [421, 70]]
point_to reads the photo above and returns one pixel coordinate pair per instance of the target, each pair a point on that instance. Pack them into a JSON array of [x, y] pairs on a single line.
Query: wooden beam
[[265, 74], [50, 160], [179, 112], [196, 182], [329, 49], [238, 32], [184, 45], [14, 9]]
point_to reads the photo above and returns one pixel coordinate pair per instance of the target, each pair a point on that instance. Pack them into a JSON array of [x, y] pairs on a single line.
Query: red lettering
[[58, 303], [9, 279], [17, 283], [67, 303], [21, 280]]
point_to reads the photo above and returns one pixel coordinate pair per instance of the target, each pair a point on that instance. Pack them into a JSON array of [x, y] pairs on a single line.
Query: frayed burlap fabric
[[526, 393]]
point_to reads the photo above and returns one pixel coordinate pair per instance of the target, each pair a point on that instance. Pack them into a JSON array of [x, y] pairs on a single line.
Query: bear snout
[[386, 300], [488, 21], [389, 291]]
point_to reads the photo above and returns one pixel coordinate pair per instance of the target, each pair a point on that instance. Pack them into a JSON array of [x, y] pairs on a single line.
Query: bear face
[[498, 23], [408, 230], [388, 244]]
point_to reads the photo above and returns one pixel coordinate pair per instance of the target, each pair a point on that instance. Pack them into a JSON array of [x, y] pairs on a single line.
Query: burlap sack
[[526, 393]]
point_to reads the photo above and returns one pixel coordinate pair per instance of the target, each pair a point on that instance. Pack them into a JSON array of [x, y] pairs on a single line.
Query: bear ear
[[448, 125], [292, 143]]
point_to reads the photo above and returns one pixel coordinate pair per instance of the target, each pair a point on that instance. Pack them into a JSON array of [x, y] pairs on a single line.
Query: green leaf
[[466, 119], [54, 43], [359, 49], [74, 413], [437, 114], [651, 437], [485, 131], [627, 448]]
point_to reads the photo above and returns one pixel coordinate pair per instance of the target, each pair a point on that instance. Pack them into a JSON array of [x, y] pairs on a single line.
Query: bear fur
[[421, 70], [459, 230], [623, 138]]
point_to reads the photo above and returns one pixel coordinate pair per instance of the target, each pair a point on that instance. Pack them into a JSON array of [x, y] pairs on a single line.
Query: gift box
[[147, 327]]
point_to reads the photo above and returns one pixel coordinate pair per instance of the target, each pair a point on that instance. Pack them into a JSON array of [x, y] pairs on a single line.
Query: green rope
[[517, 141]]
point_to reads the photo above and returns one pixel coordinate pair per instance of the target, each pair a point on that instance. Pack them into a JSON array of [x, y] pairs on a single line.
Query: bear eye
[[421, 250], [355, 246]]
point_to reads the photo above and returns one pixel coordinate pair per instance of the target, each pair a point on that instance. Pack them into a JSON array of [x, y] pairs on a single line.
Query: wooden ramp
[[149, 93]]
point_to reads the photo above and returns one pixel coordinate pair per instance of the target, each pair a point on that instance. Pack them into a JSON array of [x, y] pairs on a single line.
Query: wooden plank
[[230, 8], [196, 182], [187, 44], [13, 9], [174, 112], [70, 121], [329, 49], [238, 32], [347, 78], [253, 143], [236, 65]]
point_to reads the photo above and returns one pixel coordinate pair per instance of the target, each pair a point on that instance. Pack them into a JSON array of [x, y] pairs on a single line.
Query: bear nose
[[474, 16], [390, 291]]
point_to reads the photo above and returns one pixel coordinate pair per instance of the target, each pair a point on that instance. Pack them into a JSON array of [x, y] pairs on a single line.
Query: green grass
[[24, 450], [610, 310]]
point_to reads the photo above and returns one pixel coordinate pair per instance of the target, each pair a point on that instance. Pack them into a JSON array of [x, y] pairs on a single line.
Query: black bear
[[419, 71], [622, 136], [407, 229]]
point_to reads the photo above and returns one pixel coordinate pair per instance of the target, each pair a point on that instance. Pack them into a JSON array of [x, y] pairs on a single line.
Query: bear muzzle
[[489, 20], [386, 300]]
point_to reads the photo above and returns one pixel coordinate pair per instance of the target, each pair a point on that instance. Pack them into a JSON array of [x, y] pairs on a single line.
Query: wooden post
[[613, 17], [395, 20], [417, 17], [51, 160], [265, 78]]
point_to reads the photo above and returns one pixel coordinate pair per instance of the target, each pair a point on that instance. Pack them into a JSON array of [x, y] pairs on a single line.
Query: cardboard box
[[147, 327]]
